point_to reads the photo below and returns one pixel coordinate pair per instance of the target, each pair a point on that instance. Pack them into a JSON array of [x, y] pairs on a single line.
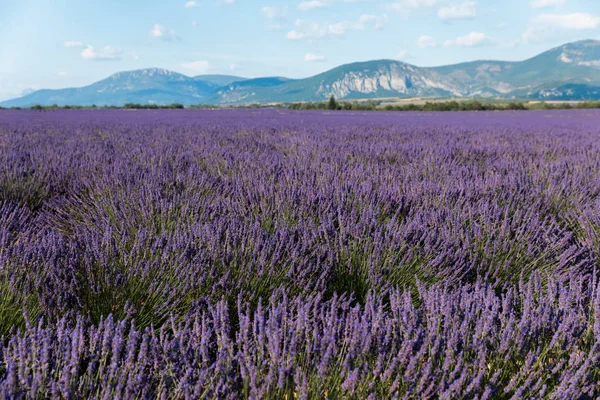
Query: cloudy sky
[[61, 43]]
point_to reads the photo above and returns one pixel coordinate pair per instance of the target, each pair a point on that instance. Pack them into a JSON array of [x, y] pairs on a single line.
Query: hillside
[[568, 72]]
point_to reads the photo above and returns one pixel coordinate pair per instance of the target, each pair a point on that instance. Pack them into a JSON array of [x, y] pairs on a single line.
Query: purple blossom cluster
[[280, 254], [467, 342]]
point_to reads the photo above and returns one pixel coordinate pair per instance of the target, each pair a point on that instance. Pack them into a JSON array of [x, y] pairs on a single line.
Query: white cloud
[[190, 4], [546, 3], [227, 1], [377, 21], [426, 41], [274, 13], [274, 27], [107, 53], [420, 3], [313, 57], [269, 12], [509, 44], [29, 90], [297, 35], [73, 44], [90, 53], [465, 10], [402, 55], [472, 39], [308, 5], [312, 4], [569, 21], [362, 22], [545, 26], [160, 32], [406, 6], [62, 74], [197, 66], [307, 30]]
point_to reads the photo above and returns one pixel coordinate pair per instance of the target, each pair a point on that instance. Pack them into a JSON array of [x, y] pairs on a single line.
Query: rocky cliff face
[[401, 79], [585, 53], [392, 78]]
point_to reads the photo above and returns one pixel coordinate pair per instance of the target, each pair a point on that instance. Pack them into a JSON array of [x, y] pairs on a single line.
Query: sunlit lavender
[[288, 254]]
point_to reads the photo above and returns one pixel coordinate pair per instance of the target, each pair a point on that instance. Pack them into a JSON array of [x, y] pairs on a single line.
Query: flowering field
[[281, 254]]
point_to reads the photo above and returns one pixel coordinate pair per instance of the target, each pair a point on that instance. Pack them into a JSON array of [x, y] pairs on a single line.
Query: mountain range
[[568, 72]]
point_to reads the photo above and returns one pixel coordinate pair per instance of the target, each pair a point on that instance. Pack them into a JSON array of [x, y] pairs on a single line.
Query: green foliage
[[141, 106], [431, 106], [129, 106], [371, 105], [588, 104], [15, 307], [332, 104], [515, 106]]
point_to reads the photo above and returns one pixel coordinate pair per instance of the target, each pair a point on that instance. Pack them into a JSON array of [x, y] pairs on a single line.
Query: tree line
[[451, 105], [334, 105]]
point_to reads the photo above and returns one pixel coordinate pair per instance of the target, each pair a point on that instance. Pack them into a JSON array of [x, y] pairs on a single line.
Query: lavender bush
[[279, 254]]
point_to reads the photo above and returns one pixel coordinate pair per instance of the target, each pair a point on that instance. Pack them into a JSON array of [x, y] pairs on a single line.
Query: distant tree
[[515, 106], [548, 106], [476, 106], [332, 104], [588, 104], [37, 107]]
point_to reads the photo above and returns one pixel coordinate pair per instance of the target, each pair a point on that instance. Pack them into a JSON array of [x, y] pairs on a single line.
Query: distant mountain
[[373, 79], [238, 91], [220, 80], [573, 63], [568, 72], [145, 86]]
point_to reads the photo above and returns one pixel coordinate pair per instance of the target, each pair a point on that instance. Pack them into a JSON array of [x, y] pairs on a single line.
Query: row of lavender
[[463, 246], [464, 343]]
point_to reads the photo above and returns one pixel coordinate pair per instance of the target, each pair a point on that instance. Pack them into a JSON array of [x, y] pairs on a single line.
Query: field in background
[[281, 254]]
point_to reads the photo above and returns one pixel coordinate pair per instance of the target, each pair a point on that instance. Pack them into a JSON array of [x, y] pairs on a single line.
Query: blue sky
[[63, 43]]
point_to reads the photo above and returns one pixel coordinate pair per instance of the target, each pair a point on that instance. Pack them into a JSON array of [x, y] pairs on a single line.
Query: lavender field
[[280, 254]]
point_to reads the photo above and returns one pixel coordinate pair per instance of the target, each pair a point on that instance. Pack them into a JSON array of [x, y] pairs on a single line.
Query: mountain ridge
[[567, 72]]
